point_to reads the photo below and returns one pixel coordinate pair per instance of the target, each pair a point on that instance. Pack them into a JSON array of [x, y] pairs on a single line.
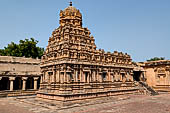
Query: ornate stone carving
[[72, 49]]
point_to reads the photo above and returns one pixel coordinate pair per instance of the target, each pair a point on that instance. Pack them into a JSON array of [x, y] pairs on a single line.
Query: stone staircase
[[147, 89], [3, 94]]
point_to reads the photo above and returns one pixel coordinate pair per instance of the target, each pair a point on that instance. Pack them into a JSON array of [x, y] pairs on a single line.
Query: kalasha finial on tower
[[71, 3]]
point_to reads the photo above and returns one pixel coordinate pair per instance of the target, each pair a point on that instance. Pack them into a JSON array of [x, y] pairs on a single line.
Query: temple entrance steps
[[3, 94], [145, 88]]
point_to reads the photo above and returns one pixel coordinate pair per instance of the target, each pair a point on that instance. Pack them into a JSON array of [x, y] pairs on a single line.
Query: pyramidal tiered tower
[[73, 69]]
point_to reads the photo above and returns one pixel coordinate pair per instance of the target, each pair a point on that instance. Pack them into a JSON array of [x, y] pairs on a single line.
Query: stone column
[[84, 77], [94, 76], [68, 77], [35, 83], [120, 76], [47, 78], [76, 75], [41, 78], [11, 83], [24, 79], [58, 76], [115, 74], [109, 76], [64, 76], [54, 76], [81, 74], [88, 77], [61, 77], [100, 77], [112, 77], [97, 75]]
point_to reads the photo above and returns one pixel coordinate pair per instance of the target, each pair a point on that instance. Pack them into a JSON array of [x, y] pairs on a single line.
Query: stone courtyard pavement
[[122, 104]]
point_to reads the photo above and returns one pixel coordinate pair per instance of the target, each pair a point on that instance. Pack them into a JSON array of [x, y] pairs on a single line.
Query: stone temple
[[73, 69]]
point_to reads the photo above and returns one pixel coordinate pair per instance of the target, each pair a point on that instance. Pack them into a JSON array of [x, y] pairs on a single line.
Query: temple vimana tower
[[73, 69]]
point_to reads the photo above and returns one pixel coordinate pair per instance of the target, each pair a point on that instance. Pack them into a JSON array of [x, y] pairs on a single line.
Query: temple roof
[[70, 11]]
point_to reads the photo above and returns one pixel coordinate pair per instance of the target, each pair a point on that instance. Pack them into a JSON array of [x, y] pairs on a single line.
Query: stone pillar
[[68, 77], [35, 83], [64, 76], [119, 76], [97, 75], [112, 77], [11, 83], [61, 77], [58, 76], [88, 77], [109, 76], [84, 76], [46, 76], [115, 74], [100, 77], [54, 76], [94, 76], [76, 75], [24, 79], [81, 74], [41, 78]]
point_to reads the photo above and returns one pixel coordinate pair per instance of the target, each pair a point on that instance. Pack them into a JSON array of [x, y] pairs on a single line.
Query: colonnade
[[23, 80]]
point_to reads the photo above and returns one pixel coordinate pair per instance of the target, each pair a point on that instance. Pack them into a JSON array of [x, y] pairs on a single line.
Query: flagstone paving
[[122, 104]]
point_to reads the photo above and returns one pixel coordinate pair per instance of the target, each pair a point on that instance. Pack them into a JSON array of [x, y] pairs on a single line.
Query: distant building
[[19, 73], [157, 74]]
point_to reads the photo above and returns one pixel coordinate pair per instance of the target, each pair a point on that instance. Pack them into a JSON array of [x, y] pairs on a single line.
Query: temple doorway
[[30, 83], [137, 75], [18, 83], [4, 83]]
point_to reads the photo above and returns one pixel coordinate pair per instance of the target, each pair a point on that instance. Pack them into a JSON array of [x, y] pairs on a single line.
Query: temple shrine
[[73, 69]]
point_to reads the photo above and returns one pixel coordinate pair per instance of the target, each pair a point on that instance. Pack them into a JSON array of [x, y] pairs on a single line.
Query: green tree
[[156, 58], [27, 48]]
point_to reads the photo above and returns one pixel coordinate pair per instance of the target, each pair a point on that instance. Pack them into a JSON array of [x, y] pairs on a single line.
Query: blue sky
[[140, 28]]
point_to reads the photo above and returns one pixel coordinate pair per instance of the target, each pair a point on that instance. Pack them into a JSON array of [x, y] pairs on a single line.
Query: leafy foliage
[[25, 48], [156, 58]]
